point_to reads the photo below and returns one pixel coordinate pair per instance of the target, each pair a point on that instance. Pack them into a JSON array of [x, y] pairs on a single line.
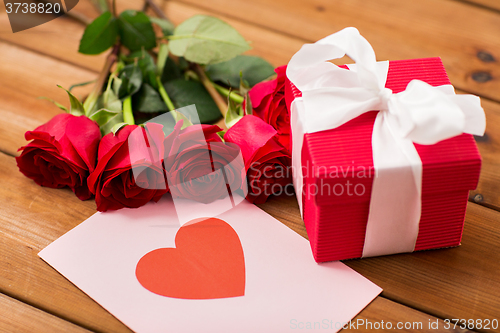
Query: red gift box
[[336, 222]]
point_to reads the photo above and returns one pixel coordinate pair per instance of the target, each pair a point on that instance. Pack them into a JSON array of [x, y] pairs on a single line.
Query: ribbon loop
[[332, 96]]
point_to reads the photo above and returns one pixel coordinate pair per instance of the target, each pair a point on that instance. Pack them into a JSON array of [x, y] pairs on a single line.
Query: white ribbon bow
[[331, 96]]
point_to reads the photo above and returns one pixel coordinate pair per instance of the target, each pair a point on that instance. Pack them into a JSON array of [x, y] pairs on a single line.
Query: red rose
[[129, 171], [199, 166], [266, 160], [62, 153], [268, 103]]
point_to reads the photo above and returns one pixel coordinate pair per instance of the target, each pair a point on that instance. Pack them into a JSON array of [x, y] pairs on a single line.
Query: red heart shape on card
[[206, 263]]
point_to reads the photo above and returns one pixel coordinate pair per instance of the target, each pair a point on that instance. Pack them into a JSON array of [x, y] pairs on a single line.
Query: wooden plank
[[25, 76], [457, 39], [488, 189], [396, 317], [21, 86], [461, 282], [58, 38], [32, 217], [20, 317], [273, 46], [455, 31], [488, 4]]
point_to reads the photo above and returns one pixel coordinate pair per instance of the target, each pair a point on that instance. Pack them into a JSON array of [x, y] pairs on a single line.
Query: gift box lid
[[335, 158]]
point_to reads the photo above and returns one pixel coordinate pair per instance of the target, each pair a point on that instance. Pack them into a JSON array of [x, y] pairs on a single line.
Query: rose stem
[[113, 6], [128, 114], [218, 99], [226, 92], [156, 9], [164, 95], [91, 100]]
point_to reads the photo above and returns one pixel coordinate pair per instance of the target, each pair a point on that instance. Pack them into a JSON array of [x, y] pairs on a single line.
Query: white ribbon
[[331, 96]]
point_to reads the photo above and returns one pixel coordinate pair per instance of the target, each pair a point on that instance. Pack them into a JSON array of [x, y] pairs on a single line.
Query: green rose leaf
[[171, 71], [110, 101], [254, 69], [82, 84], [161, 59], [184, 93], [148, 100], [107, 119], [117, 127], [206, 40], [148, 68], [99, 35], [166, 26], [146, 64], [76, 108], [131, 80], [136, 31]]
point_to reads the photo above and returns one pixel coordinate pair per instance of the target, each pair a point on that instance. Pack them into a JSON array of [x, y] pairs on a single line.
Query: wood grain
[[275, 47], [452, 30], [30, 219], [488, 189], [25, 76], [35, 216], [488, 4], [395, 316], [20, 317], [460, 282], [62, 35]]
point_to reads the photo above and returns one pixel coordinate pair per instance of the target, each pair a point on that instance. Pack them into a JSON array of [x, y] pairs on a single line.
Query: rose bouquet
[[132, 139]]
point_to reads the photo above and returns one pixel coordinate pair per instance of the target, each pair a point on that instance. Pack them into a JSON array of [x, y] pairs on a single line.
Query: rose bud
[[63, 153]]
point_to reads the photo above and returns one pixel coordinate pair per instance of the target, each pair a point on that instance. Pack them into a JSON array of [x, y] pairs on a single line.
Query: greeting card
[[241, 271]]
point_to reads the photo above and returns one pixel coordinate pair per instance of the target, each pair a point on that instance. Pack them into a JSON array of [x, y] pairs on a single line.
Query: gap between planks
[[18, 316], [397, 30], [491, 5]]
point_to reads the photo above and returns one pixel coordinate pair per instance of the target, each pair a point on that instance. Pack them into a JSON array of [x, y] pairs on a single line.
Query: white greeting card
[[242, 271]]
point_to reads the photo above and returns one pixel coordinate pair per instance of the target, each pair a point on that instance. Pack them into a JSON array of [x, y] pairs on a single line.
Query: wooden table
[[461, 283]]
